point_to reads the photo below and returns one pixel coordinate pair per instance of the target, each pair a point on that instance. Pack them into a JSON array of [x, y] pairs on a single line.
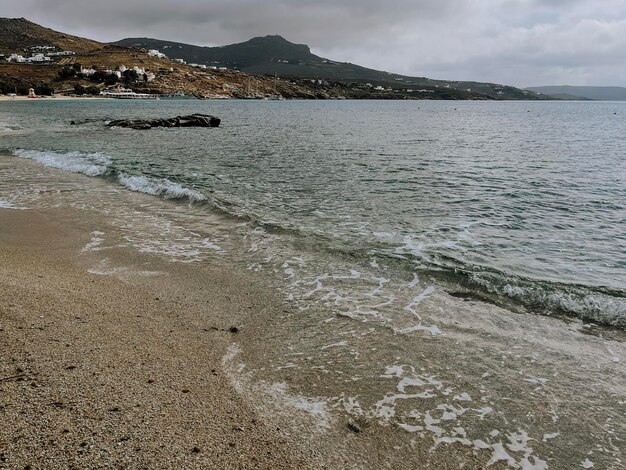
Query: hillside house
[[16, 58], [157, 54], [61, 54], [39, 57]]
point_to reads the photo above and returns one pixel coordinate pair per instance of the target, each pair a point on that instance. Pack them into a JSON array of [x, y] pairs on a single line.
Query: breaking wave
[[159, 187], [90, 164], [98, 164], [596, 304]]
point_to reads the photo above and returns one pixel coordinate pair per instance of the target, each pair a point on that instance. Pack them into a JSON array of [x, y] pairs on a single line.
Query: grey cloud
[[214, 22]]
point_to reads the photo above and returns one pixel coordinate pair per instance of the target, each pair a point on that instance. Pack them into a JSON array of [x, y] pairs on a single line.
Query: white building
[[39, 58], [62, 53], [157, 54], [16, 58]]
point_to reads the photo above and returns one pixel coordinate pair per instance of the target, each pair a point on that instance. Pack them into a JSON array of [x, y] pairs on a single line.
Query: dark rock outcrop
[[193, 120]]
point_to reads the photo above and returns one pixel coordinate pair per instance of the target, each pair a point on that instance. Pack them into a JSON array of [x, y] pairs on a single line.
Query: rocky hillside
[[70, 73], [259, 68], [20, 35], [169, 77], [274, 55]]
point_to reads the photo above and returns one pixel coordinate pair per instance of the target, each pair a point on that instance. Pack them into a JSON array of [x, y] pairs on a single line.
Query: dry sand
[[96, 372], [56, 98]]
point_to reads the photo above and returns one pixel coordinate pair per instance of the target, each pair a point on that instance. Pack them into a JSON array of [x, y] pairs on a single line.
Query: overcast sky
[[517, 42]]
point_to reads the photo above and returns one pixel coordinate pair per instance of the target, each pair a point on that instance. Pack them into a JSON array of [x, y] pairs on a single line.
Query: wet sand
[[98, 372], [114, 358]]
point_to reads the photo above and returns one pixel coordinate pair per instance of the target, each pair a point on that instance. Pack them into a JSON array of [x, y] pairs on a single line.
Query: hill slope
[[602, 93], [19, 35], [271, 55], [267, 55], [76, 73], [250, 70]]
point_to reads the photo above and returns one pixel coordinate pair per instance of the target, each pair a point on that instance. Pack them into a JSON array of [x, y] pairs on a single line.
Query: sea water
[[415, 221]]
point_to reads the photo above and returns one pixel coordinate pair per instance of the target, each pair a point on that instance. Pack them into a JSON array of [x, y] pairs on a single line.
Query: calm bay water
[[523, 204]]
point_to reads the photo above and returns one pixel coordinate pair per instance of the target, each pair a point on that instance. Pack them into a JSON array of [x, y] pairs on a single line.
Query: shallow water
[[402, 237], [523, 203]]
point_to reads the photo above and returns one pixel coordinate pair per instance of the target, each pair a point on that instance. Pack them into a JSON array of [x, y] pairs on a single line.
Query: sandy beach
[[55, 98], [134, 365], [97, 372]]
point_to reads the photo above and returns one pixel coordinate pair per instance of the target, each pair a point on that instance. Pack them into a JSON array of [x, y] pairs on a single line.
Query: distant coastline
[[595, 93]]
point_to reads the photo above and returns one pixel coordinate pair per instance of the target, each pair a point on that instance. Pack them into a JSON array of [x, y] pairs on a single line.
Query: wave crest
[[90, 164], [159, 187], [599, 305]]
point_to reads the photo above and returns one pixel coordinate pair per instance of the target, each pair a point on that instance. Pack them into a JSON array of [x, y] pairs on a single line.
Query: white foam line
[[433, 329], [418, 299], [414, 282], [8, 205], [96, 240], [334, 345], [548, 436]]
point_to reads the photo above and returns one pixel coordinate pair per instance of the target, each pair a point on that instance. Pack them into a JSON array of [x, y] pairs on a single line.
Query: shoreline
[[132, 361], [97, 371], [54, 98], [471, 383]]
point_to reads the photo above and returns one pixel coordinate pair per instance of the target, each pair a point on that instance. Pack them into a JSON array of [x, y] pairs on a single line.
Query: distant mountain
[[602, 93], [265, 55], [272, 55], [21, 35]]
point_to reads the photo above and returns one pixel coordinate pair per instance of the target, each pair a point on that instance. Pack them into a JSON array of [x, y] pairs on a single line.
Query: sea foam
[[159, 187], [90, 164], [8, 205]]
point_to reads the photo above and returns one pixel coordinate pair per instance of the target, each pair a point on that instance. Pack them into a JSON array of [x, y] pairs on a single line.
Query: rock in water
[[192, 120]]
